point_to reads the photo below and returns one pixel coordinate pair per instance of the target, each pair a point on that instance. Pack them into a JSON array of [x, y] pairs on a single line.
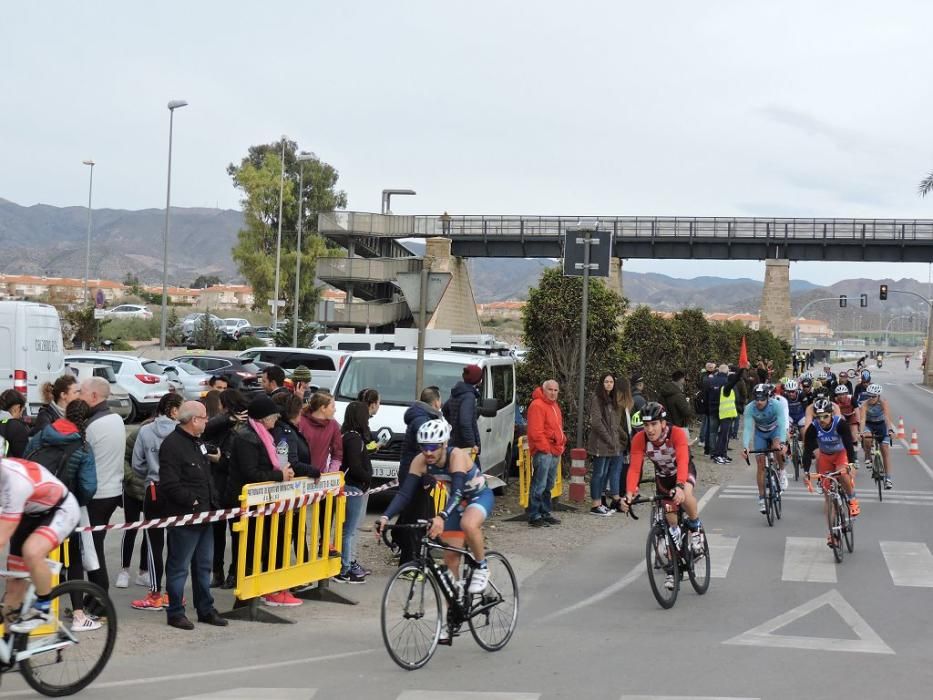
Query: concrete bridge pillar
[[614, 281], [457, 310], [928, 371], [775, 299]]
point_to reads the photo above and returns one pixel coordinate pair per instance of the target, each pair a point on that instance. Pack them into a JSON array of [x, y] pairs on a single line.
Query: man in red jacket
[[546, 441]]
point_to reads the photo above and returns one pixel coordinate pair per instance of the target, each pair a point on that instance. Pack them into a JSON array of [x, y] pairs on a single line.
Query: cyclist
[[830, 435], [906, 361], [469, 500], [806, 390], [844, 380], [795, 407], [668, 448], [821, 392], [876, 425], [765, 426], [865, 380], [37, 514], [848, 410]]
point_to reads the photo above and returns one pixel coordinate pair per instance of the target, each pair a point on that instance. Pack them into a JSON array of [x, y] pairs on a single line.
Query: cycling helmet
[[843, 375], [653, 411], [866, 375], [873, 390], [434, 432], [821, 375], [806, 375], [806, 382], [762, 392], [822, 392], [3, 446], [822, 406], [842, 389], [790, 385]]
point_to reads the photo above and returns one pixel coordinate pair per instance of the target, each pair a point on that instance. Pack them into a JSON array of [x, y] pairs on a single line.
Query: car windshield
[[394, 377], [232, 321], [189, 369]]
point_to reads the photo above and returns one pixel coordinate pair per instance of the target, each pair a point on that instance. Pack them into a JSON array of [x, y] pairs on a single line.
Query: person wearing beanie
[[301, 380], [460, 410]]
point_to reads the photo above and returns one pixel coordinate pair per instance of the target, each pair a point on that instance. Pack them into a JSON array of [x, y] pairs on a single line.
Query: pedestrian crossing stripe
[[252, 693], [464, 695], [909, 563], [799, 493], [764, 635]]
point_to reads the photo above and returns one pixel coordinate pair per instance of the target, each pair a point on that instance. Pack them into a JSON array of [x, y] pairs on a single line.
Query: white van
[[392, 374], [31, 349]]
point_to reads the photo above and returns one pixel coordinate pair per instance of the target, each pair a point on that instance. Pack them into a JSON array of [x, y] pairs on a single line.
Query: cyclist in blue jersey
[[765, 427], [876, 425], [469, 499], [795, 407]]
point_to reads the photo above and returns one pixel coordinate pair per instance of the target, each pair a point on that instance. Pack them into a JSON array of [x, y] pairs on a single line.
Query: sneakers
[[761, 505], [123, 579], [82, 623], [782, 474], [357, 570], [184, 601], [600, 510], [669, 582], [728, 459], [479, 580], [347, 577], [719, 460], [888, 483], [552, 520], [32, 619], [538, 522], [854, 509], [152, 601], [142, 579], [412, 575], [282, 599], [444, 637]]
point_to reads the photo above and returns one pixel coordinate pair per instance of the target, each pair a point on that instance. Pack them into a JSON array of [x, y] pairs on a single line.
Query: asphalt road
[[780, 620]]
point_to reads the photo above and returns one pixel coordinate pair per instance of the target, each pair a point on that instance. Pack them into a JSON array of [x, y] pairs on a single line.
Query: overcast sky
[[721, 108]]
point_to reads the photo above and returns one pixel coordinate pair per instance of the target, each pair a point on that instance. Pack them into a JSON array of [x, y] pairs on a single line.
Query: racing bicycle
[[54, 659], [772, 486], [413, 615], [878, 472], [839, 520]]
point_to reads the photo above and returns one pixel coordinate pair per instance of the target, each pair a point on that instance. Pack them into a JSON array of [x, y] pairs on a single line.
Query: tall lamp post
[[87, 252], [387, 196], [302, 158], [172, 106], [278, 245]]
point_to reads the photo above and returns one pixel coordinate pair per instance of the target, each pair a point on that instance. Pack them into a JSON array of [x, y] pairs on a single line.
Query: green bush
[[246, 342], [131, 329]]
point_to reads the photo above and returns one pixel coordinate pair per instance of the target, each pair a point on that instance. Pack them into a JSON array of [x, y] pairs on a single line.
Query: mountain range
[[47, 240]]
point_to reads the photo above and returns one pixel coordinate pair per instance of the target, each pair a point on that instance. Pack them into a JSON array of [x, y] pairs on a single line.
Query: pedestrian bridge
[[670, 237]]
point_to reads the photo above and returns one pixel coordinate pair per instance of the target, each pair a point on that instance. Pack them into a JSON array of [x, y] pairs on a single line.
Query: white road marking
[[763, 635], [252, 693], [681, 697], [633, 574], [721, 551], [909, 563], [464, 695], [805, 560], [919, 459]]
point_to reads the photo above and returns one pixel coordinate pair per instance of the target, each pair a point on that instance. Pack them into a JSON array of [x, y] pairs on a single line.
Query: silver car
[[119, 401], [186, 379]]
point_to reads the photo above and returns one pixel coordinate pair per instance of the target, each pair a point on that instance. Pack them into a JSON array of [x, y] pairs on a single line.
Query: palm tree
[[926, 185]]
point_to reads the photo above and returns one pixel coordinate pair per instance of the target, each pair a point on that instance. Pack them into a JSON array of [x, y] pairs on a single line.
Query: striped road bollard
[[577, 474]]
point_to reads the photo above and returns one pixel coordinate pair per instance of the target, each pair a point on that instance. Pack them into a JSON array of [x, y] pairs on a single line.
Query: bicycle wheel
[[795, 456], [835, 528], [775, 489], [494, 612], [698, 565], [848, 531], [411, 616], [769, 496], [877, 473], [71, 667], [663, 568]]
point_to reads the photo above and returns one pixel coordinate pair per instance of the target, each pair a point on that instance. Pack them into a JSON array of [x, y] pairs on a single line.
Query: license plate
[[385, 470]]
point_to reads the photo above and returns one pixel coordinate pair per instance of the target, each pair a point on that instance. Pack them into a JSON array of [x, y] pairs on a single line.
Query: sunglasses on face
[[430, 448], [824, 416]]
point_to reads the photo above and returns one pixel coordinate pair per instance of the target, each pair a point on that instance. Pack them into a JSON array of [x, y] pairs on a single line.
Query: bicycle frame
[[9, 655]]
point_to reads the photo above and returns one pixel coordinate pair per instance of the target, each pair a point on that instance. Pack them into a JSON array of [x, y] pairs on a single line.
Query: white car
[[142, 378], [188, 380], [130, 311], [235, 327], [324, 364], [119, 401], [191, 320]]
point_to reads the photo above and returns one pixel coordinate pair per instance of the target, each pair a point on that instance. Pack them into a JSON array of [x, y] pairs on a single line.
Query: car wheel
[[131, 416]]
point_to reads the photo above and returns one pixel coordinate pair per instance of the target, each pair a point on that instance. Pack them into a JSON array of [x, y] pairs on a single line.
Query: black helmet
[[653, 411], [822, 406], [762, 391], [806, 382]]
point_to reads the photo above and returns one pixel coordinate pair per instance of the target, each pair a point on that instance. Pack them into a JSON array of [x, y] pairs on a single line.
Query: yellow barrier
[[50, 628], [439, 493], [272, 570], [525, 473]]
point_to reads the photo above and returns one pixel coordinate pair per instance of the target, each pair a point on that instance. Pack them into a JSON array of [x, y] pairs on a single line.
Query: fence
[[525, 473]]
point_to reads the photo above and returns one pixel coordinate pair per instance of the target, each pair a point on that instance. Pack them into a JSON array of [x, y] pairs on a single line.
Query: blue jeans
[[356, 507], [703, 426], [712, 433], [601, 466], [617, 470], [544, 472], [189, 546]]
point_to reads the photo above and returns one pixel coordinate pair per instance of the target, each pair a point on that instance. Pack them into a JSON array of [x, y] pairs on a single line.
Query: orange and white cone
[[901, 435], [914, 447]]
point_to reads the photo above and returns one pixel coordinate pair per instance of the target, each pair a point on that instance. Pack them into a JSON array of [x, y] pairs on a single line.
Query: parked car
[[142, 378], [236, 327], [190, 323], [130, 311], [119, 401], [188, 380], [265, 334], [241, 373], [324, 364]]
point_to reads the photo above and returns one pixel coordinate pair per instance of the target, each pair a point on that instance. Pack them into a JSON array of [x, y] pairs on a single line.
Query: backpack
[[700, 403], [57, 459]]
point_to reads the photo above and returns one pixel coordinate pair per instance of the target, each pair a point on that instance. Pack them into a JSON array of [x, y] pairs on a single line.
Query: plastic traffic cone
[[914, 447], [901, 435]]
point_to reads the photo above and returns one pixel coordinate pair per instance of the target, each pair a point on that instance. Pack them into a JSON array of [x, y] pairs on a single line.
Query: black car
[[241, 374]]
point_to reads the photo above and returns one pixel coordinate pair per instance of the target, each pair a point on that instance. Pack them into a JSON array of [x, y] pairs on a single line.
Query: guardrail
[[365, 269]]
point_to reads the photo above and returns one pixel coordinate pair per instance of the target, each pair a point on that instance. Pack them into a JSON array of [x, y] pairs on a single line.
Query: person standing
[[701, 404], [186, 487], [713, 386], [603, 440], [273, 380], [675, 401], [106, 436], [546, 442], [57, 395], [460, 410], [728, 413], [12, 427], [358, 475], [301, 382]]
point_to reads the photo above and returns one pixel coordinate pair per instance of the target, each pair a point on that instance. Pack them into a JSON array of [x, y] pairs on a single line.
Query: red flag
[[743, 354]]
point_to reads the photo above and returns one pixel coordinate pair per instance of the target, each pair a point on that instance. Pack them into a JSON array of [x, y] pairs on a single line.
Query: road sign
[[410, 284], [99, 314], [600, 252], [278, 303]]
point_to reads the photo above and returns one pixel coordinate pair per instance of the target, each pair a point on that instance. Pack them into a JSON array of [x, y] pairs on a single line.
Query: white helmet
[[873, 390], [3, 446], [791, 385], [841, 389], [434, 432]]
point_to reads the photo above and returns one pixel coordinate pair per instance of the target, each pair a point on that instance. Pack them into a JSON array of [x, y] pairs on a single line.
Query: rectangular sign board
[[600, 252]]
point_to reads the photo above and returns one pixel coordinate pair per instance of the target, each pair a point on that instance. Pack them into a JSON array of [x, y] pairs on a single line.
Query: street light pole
[[278, 245], [87, 253], [302, 157], [387, 197], [172, 106]]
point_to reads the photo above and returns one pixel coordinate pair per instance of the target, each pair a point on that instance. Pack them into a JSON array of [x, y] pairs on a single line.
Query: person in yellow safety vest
[[727, 416]]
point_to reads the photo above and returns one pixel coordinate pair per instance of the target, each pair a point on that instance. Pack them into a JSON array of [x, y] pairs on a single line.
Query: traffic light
[[883, 292], [842, 301], [863, 300]]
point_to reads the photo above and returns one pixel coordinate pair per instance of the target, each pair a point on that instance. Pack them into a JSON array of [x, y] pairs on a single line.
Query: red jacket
[[545, 425]]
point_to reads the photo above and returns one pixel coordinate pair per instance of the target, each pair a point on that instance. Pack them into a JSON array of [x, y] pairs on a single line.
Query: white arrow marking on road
[[251, 693], [805, 559], [721, 550], [464, 695], [868, 641], [910, 563]]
